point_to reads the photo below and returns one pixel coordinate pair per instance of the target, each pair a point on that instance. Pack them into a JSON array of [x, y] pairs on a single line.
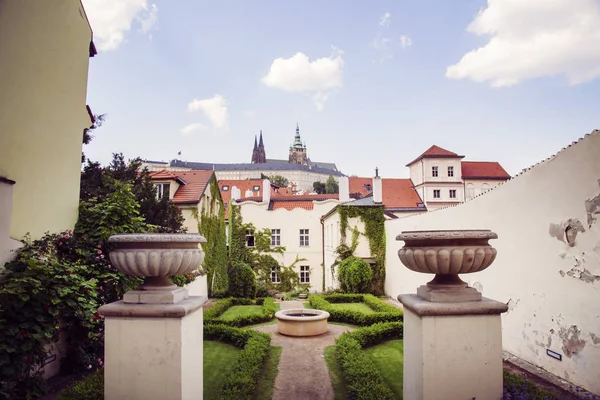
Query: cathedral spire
[[255, 152], [261, 144]]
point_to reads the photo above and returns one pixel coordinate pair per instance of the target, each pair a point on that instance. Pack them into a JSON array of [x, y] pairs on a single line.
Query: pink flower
[[109, 267], [99, 329], [100, 288], [99, 251], [101, 255], [60, 243], [90, 366], [92, 279], [100, 362], [67, 236], [70, 230], [99, 246]]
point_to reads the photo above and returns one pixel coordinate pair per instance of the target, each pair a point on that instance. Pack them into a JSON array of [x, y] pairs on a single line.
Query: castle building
[[258, 154], [298, 150]]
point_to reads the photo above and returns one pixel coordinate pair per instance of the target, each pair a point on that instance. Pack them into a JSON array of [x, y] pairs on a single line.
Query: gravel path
[[303, 373]]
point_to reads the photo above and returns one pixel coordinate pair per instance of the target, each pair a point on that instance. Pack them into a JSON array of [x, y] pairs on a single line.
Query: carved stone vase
[[447, 253], [156, 257]]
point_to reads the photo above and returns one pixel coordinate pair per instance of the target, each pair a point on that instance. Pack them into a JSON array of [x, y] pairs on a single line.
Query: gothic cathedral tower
[[298, 150], [259, 155]]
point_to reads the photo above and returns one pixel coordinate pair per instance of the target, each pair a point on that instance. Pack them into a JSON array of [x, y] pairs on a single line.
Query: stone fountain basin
[[302, 322]]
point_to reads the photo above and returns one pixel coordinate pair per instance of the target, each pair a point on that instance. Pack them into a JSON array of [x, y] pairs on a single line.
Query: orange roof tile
[[483, 170], [435, 152], [290, 205], [193, 184], [243, 185], [359, 185], [399, 193]]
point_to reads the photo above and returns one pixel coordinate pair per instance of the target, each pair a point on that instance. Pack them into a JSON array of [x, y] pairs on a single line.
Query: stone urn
[[156, 257], [447, 254]]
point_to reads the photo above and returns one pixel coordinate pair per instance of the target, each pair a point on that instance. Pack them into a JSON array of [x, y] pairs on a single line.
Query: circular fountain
[[302, 322]]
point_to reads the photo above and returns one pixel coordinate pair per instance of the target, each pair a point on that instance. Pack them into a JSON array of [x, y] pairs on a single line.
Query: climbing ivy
[[373, 219], [211, 225]]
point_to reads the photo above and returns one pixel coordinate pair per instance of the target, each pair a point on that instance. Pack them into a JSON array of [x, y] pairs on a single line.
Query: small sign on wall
[[50, 359], [554, 354]]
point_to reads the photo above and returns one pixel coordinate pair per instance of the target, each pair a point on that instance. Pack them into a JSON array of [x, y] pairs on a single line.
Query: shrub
[[355, 275], [262, 290], [242, 380], [383, 312], [516, 387], [242, 282], [89, 388], [211, 316], [363, 380]]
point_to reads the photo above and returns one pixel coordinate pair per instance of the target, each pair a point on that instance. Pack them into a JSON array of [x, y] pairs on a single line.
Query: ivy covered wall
[[373, 219], [211, 225]]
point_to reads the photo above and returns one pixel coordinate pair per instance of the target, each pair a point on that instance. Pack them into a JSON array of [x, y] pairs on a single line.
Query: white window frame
[[450, 171], [250, 234], [160, 190], [438, 192], [275, 278], [452, 193], [304, 238], [275, 237], [304, 274], [434, 171], [225, 188]]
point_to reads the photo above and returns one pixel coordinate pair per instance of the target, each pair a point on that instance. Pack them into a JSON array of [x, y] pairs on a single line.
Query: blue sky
[[371, 86]]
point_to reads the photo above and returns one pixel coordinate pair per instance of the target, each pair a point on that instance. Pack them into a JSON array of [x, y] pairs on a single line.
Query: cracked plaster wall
[[548, 264]]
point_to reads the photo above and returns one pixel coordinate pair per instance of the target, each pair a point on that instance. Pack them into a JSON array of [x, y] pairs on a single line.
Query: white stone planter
[[156, 257], [447, 254]]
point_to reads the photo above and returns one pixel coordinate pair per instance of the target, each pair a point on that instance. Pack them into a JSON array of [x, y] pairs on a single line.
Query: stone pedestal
[[154, 351], [452, 350]]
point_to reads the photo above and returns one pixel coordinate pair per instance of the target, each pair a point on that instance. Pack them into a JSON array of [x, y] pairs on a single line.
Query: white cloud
[[298, 74], [385, 20], [532, 39], [191, 128], [112, 19], [214, 108], [405, 41]]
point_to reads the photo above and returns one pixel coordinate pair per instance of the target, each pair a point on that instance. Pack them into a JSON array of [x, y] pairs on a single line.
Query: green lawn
[[219, 358], [388, 357], [236, 311], [337, 379], [264, 390], [361, 307]]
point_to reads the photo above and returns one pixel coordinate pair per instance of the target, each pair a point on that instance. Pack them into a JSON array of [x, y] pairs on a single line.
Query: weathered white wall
[[44, 48], [290, 222], [199, 287], [552, 289], [7, 245]]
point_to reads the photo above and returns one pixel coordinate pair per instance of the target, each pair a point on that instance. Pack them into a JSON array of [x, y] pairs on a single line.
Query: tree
[[319, 187], [87, 132], [331, 186], [278, 180]]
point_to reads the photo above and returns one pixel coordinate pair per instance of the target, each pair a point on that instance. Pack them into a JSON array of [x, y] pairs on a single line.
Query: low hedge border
[[242, 381], [383, 312], [211, 316], [363, 380]]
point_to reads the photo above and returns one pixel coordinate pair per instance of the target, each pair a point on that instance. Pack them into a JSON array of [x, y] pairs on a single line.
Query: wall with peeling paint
[[548, 265]]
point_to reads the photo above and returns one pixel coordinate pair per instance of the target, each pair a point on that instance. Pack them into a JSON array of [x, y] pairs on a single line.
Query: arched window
[[470, 191], [485, 187]]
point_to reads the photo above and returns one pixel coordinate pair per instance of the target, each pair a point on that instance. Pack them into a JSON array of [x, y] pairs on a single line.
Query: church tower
[[259, 155], [298, 150]]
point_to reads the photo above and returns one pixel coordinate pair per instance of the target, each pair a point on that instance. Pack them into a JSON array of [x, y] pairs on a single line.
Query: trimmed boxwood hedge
[[363, 380], [383, 312], [242, 381], [211, 316]]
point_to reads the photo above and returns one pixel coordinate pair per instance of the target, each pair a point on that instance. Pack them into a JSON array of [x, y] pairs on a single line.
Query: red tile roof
[[483, 170], [399, 193], [243, 185], [193, 186], [358, 186], [290, 205], [396, 192], [435, 152]]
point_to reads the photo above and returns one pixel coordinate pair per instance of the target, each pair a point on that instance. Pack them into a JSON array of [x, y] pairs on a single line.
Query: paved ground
[[303, 373]]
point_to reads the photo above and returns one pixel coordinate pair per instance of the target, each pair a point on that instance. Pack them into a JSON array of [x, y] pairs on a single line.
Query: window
[[485, 187], [368, 187], [256, 188], [275, 274], [225, 188], [470, 191], [434, 171], [275, 237], [436, 194], [452, 193], [162, 190], [450, 171], [304, 274], [249, 238], [303, 237]]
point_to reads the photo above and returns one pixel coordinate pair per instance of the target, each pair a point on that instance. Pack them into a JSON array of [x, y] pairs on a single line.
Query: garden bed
[[241, 312], [356, 309]]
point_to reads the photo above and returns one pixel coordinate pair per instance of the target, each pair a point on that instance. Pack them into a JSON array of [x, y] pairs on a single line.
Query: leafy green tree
[[278, 180], [331, 186], [242, 282], [355, 275], [319, 187]]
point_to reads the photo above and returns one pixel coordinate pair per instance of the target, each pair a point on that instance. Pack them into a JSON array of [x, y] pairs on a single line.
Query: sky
[[371, 84]]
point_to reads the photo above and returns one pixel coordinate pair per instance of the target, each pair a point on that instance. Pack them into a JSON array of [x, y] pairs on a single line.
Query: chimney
[[266, 194], [377, 188], [344, 186]]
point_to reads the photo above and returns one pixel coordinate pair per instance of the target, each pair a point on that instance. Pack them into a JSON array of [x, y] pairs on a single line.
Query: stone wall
[[548, 265]]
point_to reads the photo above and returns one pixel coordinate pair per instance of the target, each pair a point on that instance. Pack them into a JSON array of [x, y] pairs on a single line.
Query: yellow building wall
[[44, 48]]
